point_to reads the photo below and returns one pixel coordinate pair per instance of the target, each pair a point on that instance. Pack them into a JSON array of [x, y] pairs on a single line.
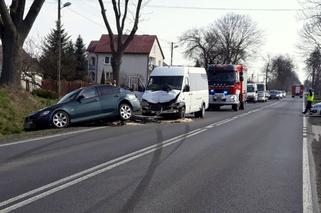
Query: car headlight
[[44, 113], [132, 96]]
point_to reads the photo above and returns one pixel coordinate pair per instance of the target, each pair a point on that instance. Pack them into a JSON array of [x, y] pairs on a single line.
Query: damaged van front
[[162, 95], [176, 90]]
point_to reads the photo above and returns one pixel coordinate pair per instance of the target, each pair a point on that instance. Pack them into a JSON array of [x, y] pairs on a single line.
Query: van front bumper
[[161, 108]]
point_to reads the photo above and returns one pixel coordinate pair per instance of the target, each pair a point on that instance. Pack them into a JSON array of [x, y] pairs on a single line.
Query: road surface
[[245, 161]]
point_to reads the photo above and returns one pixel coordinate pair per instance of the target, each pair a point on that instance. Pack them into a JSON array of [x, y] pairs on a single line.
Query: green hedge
[[45, 93]]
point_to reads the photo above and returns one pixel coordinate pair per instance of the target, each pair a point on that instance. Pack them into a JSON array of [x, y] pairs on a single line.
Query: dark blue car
[[86, 104]]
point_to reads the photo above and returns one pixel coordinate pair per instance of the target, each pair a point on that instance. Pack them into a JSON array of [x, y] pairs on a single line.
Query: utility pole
[[59, 44], [59, 49], [172, 48]]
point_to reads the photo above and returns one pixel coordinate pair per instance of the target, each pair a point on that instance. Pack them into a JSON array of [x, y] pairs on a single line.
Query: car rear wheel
[[125, 112], [60, 119]]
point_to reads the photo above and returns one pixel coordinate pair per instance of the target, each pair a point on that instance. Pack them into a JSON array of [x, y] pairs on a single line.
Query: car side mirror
[[80, 97], [186, 88]]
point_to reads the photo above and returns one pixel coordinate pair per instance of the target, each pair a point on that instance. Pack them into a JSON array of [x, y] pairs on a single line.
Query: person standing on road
[[309, 98]]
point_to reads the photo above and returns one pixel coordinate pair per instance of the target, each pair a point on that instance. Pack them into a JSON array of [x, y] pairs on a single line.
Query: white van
[[252, 92], [176, 90], [262, 93]]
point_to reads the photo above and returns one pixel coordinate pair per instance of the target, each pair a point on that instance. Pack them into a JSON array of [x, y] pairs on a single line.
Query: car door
[[88, 104], [109, 100]]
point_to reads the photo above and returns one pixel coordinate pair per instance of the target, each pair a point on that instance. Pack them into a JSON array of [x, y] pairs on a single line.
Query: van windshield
[[260, 87], [250, 88], [165, 83]]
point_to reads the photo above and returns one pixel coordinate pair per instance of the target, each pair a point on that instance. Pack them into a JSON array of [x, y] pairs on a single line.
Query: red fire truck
[[227, 85], [297, 90]]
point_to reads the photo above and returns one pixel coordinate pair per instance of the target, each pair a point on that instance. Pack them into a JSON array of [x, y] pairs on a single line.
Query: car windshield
[[250, 88], [260, 87], [221, 77], [165, 83], [70, 96]]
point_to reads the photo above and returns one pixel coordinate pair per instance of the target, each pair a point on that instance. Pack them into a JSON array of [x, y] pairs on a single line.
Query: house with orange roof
[[140, 57]]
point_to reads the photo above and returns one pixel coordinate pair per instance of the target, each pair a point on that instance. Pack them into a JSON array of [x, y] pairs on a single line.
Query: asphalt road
[[245, 161]]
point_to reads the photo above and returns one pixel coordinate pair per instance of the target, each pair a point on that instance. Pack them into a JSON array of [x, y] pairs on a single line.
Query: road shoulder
[[314, 142]]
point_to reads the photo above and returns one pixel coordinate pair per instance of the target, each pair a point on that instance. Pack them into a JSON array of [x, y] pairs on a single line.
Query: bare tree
[[119, 42], [283, 74], [30, 68], [313, 69], [231, 39], [14, 29], [239, 37]]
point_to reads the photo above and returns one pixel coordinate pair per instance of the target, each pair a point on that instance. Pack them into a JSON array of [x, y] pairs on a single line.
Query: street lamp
[[59, 43], [172, 48]]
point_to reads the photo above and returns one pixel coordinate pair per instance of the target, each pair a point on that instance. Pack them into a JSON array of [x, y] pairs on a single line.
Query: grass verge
[[15, 106]]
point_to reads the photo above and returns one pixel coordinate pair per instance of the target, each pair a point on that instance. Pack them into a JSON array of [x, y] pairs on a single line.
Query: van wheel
[[181, 113], [201, 113]]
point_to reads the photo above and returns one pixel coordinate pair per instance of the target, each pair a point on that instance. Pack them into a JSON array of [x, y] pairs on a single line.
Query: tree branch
[[17, 10], [117, 18], [31, 17], [110, 32], [125, 15], [6, 18], [135, 26]]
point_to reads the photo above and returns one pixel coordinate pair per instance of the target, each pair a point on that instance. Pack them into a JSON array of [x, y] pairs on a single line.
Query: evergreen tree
[[49, 58], [69, 62], [80, 55]]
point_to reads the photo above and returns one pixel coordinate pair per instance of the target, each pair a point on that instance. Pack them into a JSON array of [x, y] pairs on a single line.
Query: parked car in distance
[[86, 104], [275, 94], [176, 90], [316, 108]]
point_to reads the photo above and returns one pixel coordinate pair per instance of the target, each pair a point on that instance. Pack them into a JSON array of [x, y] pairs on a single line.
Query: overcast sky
[[280, 28]]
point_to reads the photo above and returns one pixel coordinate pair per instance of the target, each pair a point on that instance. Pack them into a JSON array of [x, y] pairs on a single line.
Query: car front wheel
[[125, 112], [60, 119]]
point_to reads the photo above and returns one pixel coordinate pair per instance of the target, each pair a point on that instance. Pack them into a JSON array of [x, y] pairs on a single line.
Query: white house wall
[[157, 54], [132, 65]]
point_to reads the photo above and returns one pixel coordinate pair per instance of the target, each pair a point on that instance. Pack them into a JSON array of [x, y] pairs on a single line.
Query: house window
[[107, 60], [92, 76], [92, 61]]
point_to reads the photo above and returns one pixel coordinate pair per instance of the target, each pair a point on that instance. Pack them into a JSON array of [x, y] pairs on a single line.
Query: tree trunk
[[116, 63], [11, 63]]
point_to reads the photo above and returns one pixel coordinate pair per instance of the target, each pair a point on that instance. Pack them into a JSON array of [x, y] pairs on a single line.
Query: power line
[[226, 8]]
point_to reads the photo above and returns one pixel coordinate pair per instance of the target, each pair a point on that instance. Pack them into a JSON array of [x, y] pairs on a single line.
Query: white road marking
[[51, 136], [306, 173], [66, 182]]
